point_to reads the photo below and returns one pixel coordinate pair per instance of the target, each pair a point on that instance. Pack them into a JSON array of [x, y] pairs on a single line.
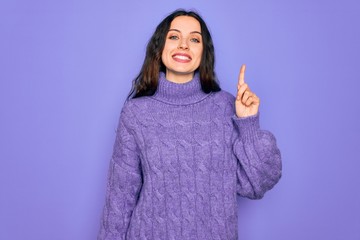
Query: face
[[183, 49]]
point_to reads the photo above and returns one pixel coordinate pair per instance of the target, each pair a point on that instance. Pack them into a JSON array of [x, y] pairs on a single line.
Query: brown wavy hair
[[146, 82]]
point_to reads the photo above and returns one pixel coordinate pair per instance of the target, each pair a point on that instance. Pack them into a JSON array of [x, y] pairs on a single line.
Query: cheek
[[164, 54], [199, 54], [198, 50], [169, 45], [167, 50]]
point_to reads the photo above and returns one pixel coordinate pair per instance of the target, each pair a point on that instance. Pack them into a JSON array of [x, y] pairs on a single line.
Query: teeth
[[182, 57]]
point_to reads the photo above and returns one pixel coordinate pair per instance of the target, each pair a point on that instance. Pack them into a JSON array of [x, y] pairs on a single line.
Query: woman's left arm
[[259, 160]]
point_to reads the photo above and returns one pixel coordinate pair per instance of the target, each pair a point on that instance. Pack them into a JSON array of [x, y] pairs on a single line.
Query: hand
[[246, 103]]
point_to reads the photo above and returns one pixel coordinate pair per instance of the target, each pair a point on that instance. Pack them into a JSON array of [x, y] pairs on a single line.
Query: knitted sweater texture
[[180, 158]]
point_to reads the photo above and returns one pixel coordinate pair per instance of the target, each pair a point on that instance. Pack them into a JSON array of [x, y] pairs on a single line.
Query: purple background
[[66, 68]]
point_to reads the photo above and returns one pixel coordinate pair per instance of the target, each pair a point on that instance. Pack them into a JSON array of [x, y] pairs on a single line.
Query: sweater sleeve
[[124, 182], [259, 161]]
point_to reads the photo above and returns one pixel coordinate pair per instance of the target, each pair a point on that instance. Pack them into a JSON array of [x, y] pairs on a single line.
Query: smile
[[181, 57]]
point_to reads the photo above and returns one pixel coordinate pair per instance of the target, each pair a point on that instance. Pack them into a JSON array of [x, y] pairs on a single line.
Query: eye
[[195, 40], [173, 37]]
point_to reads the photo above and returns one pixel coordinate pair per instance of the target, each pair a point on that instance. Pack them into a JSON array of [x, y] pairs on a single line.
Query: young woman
[[184, 148]]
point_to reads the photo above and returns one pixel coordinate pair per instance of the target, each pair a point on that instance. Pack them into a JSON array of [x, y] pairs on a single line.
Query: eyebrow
[[176, 30]]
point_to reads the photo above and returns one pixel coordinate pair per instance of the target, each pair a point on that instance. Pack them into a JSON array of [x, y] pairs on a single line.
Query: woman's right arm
[[124, 182]]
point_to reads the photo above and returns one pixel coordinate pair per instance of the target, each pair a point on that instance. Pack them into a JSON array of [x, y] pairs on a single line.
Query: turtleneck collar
[[179, 93]]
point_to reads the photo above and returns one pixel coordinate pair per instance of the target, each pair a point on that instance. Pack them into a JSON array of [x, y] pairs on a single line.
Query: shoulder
[[224, 101], [135, 105], [131, 109], [223, 97], [135, 112]]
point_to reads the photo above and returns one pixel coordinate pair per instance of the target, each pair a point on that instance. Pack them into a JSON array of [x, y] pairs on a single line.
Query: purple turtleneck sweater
[[180, 158]]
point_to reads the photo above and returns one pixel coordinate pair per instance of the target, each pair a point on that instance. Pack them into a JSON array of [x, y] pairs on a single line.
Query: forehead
[[185, 24]]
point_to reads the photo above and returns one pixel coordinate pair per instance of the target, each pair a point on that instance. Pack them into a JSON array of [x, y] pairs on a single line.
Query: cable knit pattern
[[180, 157]]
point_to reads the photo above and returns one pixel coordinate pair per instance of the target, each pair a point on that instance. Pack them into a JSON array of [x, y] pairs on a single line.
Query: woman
[[184, 148]]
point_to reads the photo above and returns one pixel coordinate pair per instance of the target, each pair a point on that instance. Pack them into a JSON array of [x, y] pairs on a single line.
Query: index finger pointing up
[[242, 75]]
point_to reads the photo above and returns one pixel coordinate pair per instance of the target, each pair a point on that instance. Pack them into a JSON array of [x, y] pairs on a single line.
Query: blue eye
[[195, 40], [174, 37]]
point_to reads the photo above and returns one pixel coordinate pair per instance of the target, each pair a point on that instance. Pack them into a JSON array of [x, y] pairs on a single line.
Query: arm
[[124, 182], [259, 160]]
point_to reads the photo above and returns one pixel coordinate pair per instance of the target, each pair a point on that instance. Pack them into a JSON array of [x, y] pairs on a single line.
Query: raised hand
[[246, 103]]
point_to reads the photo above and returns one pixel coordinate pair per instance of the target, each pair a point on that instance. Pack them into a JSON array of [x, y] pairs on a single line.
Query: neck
[[179, 93], [179, 78]]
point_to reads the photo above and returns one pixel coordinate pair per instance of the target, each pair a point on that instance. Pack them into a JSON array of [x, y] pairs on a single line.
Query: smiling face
[[183, 49]]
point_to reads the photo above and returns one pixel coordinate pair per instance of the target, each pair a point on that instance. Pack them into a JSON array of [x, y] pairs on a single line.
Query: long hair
[[146, 82]]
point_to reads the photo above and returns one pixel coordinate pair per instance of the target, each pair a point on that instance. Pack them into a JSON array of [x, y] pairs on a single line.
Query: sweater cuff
[[248, 127]]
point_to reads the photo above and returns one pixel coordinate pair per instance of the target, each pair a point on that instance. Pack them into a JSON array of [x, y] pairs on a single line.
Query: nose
[[183, 44]]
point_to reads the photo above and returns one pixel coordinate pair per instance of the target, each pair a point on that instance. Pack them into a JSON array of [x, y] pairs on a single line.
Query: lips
[[181, 57]]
